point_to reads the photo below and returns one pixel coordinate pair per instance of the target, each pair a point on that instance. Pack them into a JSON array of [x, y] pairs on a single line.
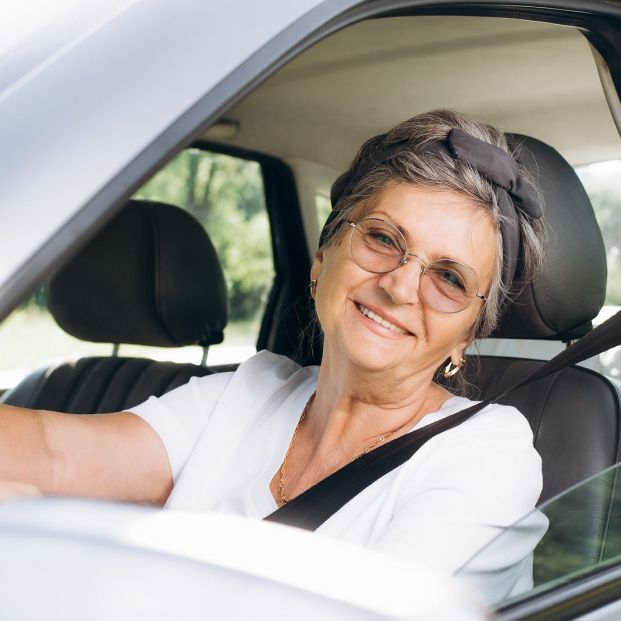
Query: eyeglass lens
[[379, 247]]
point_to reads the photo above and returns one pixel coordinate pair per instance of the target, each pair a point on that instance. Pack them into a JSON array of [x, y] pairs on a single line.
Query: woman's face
[[436, 224]]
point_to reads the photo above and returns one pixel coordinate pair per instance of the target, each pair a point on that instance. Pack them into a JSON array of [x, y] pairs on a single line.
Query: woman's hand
[[13, 489]]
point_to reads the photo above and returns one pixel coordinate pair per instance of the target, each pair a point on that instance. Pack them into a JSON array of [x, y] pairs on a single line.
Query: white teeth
[[377, 319]]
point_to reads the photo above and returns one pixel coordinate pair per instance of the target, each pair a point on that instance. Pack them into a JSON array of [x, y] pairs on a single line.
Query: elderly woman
[[432, 227]]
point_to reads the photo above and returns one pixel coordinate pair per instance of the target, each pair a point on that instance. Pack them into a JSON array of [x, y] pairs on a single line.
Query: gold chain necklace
[[283, 500], [282, 497]]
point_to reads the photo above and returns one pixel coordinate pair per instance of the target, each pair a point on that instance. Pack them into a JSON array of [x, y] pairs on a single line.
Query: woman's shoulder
[[265, 364], [267, 360], [498, 436], [267, 376], [494, 419], [491, 455]]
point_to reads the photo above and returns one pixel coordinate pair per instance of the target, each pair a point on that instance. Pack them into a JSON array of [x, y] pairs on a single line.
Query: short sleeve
[[471, 483], [180, 416]]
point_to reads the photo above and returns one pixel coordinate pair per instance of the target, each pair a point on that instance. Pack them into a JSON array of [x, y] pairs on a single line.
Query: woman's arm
[[11, 489], [115, 456]]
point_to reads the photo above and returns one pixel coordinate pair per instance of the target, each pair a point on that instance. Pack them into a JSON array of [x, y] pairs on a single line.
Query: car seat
[[574, 414], [150, 277]]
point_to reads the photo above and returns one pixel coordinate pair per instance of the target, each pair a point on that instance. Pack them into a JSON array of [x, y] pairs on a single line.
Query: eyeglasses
[[379, 247]]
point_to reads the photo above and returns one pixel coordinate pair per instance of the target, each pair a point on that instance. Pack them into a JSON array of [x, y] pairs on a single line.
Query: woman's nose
[[403, 283]]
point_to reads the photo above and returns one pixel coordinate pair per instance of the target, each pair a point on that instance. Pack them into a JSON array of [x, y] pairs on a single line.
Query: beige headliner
[[527, 77]]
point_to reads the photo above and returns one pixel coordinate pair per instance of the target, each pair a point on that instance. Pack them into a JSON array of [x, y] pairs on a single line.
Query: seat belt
[[313, 507]]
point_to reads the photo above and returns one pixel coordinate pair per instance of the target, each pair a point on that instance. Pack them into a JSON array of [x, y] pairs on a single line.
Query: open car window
[[226, 195], [602, 182], [565, 541]]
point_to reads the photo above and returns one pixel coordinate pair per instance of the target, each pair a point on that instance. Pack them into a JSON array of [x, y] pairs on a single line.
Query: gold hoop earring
[[452, 369], [312, 285]]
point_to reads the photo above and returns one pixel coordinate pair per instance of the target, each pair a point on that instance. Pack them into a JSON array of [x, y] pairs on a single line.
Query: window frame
[[570, 600], [595, 588], [289, 246]]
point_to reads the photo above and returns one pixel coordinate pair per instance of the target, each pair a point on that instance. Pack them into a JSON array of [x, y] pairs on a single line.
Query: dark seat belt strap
[[313, 507]]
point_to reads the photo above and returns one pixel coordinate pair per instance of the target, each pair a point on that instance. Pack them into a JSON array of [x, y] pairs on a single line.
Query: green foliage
[[226, 195], [324, 207], [36, 300], [605, 193], [607, 204]]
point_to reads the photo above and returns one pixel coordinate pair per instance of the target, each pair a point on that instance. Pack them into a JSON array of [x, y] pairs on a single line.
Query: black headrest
[[570, 293], [151, 277]]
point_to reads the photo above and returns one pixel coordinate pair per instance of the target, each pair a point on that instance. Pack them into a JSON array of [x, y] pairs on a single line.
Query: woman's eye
[[451, 278], [382, 238]]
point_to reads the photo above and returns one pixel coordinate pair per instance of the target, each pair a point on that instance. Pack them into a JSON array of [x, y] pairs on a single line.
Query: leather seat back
[[98, 385], [150, 277], [575, 414]]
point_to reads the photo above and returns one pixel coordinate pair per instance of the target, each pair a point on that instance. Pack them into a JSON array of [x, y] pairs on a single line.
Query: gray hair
[[419, 165]]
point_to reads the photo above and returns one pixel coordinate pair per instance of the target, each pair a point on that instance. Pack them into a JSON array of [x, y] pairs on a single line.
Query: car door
[[575, 569]]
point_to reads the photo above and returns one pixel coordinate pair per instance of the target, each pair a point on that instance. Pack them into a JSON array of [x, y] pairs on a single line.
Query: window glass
[[602, 182], [323, 207], [226, 195], [573, 535], [30, 338]]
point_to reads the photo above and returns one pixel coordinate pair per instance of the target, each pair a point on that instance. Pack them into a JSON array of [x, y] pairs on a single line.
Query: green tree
[[605, 194]]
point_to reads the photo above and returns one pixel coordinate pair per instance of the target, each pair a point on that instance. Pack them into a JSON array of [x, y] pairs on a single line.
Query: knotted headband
[[514, 193]]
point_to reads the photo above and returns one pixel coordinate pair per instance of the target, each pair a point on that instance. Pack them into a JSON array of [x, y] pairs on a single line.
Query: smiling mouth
[[380, 320]]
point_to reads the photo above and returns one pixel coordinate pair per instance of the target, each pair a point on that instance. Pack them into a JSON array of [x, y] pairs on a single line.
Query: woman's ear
[[317, 265], [458, 352], [457, 355]]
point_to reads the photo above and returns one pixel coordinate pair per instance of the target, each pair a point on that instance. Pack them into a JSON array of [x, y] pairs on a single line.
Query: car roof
[[528, 77]]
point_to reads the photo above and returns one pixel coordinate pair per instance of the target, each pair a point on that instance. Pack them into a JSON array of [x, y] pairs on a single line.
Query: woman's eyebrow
[[401, 230]]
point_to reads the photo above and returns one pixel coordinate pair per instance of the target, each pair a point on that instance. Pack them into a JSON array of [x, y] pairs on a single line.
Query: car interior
[[152, 277]]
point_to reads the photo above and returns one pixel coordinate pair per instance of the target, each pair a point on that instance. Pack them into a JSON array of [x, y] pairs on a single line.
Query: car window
[[575, 535], [226, 195], [602, 181], [323, 207]]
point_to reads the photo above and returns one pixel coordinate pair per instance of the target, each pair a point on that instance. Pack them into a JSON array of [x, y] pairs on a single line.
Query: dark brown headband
[[514, 193]]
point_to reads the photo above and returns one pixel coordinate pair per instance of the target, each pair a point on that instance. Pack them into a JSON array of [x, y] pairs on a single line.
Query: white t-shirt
[[226, 435]]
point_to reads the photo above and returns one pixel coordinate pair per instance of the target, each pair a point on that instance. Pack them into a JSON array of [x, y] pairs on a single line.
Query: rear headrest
[[150, 277], [570, 293]]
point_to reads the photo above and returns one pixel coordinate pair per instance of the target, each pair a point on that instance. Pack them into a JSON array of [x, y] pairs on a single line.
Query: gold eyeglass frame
[[424, 266]]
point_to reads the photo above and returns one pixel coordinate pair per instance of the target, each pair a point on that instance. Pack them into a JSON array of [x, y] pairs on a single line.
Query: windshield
[[578, 533]]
